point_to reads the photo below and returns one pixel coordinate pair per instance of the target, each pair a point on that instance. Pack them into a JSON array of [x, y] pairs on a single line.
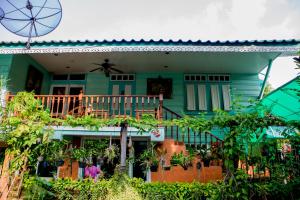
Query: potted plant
[[149, 159], [205, 155], [111, 152], [184, 160], [216, 153], [154, 164], [58, 158], [79, 154], [174, 159]]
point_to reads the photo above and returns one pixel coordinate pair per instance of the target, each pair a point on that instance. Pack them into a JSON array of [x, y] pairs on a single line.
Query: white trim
[[68, 86], [153, 48]]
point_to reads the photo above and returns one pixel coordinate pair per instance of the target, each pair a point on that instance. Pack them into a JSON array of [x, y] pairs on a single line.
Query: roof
[[285, 101], [143, 42]]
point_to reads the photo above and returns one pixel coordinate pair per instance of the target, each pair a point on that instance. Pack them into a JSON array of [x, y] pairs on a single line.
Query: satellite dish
[[1, 14], [30, 18]]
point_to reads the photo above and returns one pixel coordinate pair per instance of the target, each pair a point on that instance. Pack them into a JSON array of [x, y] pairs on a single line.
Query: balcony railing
[[102, 106]]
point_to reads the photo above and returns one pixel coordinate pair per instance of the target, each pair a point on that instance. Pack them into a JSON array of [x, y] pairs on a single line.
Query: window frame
[[207, 84]]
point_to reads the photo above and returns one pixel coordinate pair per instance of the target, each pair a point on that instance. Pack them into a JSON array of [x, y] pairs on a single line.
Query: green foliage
[[149, 157], [111, 152], [79, 154], [181, 159], [24, 124], [37, 189]]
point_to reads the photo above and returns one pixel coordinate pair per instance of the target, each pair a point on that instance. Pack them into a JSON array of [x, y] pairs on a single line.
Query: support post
[[124, 126], [80, 99], [263, 87], [160, 111]]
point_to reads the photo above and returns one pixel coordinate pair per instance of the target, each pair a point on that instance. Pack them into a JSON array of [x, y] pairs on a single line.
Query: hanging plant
[[111, 153]]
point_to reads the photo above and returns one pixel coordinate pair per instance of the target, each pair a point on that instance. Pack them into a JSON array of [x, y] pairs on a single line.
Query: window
[[207, 92], [122, 77]]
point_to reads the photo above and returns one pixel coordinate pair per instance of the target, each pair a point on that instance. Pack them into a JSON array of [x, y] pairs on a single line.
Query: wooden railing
[[188, 136], [102, 106]]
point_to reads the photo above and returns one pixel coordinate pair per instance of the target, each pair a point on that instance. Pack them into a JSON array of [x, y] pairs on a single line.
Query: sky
[[181, 19]]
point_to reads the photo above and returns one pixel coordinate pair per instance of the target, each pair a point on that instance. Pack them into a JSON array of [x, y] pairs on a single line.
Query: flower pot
[[198, 165], [40, 158], [59, 163], [206, 163], [185, 167], [167, 168], [81, 164], [173, 163], [153, 168]]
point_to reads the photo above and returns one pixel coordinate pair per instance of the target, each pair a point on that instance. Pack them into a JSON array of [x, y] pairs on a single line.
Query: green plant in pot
[[205, 155], [183, 160], [174, 159], [80, 155], [149, 158], [216, 153], [57, 153], [111, 152]]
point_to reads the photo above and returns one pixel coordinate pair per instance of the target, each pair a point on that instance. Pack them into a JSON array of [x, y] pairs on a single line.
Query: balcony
[[101, 106]]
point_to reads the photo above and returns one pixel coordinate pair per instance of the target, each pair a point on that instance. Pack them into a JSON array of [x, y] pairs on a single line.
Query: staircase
[[11, 186], [189, 136], [15, 188]]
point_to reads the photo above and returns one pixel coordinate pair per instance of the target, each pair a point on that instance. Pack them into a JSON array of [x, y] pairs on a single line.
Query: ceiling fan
[[106, 67]]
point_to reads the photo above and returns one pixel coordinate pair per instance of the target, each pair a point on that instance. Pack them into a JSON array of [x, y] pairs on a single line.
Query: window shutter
[[115, 90], [127, 92], [202, 97], [215, 97], [190, 97], [226, 96], [115, 100]]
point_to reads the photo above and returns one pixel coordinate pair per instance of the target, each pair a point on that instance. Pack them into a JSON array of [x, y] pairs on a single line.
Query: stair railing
[[190, 136]]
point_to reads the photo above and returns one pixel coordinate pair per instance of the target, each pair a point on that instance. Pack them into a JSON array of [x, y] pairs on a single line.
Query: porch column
[[123, 146], [265, 80]]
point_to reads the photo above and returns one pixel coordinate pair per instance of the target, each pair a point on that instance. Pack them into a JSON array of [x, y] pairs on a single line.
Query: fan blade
[[117, 70], [97, 64], [95, 69]]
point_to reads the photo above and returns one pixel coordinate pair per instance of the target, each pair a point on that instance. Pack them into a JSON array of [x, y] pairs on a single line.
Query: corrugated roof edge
[[158, 42]]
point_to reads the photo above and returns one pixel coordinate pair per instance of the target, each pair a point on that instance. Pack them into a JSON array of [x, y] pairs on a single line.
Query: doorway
[[139, 148], [59, 105]]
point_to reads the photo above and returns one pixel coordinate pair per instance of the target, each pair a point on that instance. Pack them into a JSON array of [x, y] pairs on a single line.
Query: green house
[[168, 79], [191, 76]]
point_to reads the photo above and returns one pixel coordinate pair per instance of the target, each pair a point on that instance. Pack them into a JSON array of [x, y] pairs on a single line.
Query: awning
[[284, 102]]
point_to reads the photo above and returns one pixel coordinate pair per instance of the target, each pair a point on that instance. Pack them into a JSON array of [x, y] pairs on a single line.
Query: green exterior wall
[[96, 83], [177, 101], [18, 74], [5, 64], [243, 86]]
